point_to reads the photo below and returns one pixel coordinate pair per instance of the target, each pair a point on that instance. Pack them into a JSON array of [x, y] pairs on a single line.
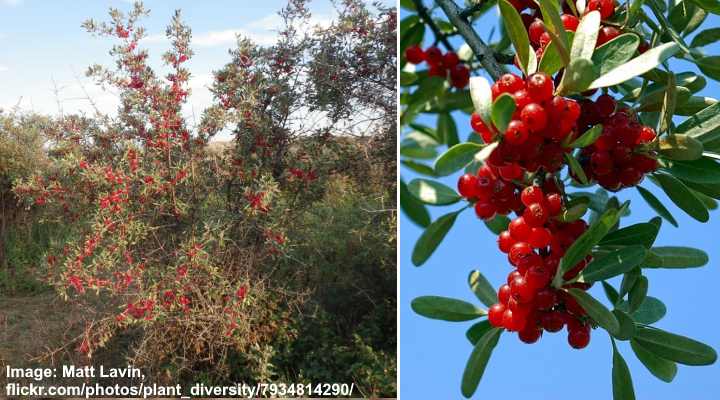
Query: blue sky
[[433, 353], [44, 46]]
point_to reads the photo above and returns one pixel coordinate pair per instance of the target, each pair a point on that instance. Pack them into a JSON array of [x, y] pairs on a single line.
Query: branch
[[481, 50], [427, 19]]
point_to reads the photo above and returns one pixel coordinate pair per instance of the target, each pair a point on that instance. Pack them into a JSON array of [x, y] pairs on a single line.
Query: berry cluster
[[491, 194], [534, 243], [619, 157], [540, 123], [440, 64]]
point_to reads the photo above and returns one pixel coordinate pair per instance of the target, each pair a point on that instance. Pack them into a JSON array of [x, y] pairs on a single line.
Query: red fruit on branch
[[415, 54]]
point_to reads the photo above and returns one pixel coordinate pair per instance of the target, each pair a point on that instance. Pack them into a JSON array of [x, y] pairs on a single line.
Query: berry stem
[[480, 49]]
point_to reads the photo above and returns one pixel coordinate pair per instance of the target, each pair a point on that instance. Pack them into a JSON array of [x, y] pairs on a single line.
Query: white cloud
[[11, 2], [3, 68]]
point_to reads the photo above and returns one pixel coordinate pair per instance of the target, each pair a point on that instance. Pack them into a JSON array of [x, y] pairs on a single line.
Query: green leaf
[[706, 37], [656, 205], [589, 137], [615, 52], [412, 207], [681, 147], [407, 78], [407, 4], [643, 234], [418, 167], [576, 168], [551, 16], [456, 158], [517, 32], [477, 330], [663, 369], [431, 238], [551, 61], [596, 310], [622, 382], [411, 36], [676, 257], [682, 196], [610, 292], [418, 145], [703, 170], [712, 6], [674, 347], [498, 223], [433, 192], [481, 95], [694, 105], [651, 310], [447, 129], [690, 80], [578, 76], [709, 66], [628, 281], [585, 37], [502, 110], [637, 66], [574, 209], [598, 200], [482, 288], [667, 110], [582, 246], [627, 326], [637, 294], [703, 125], [614, 263], [446, 308], [478, 361]]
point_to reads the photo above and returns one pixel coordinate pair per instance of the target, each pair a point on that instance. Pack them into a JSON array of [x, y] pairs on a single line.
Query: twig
[[425, 16], [484, 54], [464, 14]]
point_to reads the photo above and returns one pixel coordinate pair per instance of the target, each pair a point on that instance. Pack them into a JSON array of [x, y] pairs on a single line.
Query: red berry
[[630, 176], [415, 54], [538, 277], [477, 124], [467, 186], [545, 39], [495, 314], [460, 76], [485, 210], [522, 99], [510, 171], [601, 163], [504, 294], [535, 30], [579, 339], [528, 262], [530, 334], [521, 290], [552, 321], [554, 204], [516, 132], [433, 55], [540, 86], [647, 135], [519, 230], [545, 299], [605, 105], [510, 83], [606, 34], [532, 194], [437, 70], [539, 237], [607, 8], [505, 241], [519, 251], [535, 215], [570, 22], [513, 321], [511, 276], [450, 60], [534, 117]]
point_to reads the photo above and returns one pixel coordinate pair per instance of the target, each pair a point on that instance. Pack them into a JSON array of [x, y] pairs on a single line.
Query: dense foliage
[[230, 261], [591, 100]]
